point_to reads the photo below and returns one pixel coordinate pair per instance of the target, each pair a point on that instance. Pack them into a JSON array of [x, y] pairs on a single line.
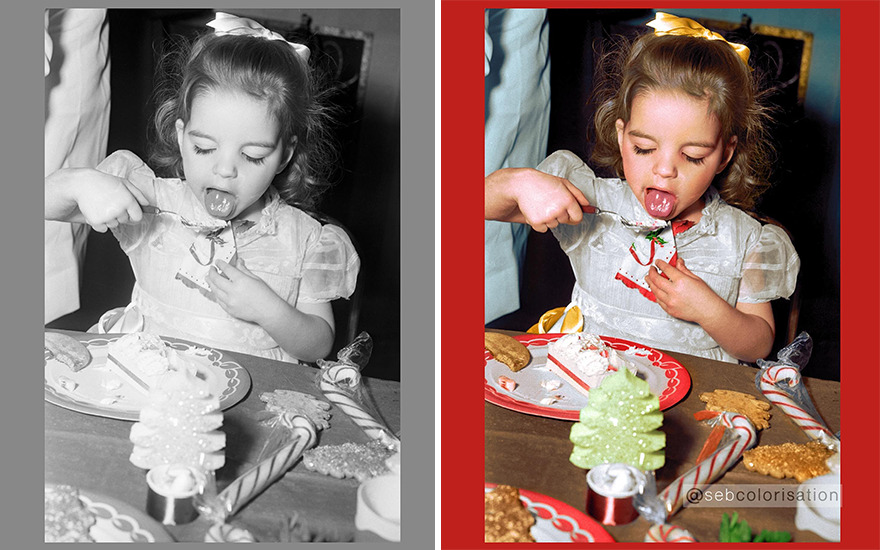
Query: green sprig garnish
[[734, 530]]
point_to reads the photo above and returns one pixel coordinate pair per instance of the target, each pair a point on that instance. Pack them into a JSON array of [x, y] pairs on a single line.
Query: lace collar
[[268, 223]]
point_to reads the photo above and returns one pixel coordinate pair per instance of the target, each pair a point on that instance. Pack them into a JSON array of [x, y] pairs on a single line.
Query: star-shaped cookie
[[282, 401], [742, 403]]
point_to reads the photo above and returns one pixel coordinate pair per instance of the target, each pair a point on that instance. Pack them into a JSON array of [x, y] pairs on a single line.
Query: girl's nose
[[225, 168], [665, 166]]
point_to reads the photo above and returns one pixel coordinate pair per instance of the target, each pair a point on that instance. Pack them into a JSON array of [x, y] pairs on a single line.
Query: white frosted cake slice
[[142, 357], [584, 360]]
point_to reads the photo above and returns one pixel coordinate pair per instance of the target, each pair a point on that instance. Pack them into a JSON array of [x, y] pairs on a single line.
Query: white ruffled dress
[[301, 260], [738, 257]]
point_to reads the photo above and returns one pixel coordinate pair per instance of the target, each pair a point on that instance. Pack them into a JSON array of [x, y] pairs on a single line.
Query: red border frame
[[461, 414]]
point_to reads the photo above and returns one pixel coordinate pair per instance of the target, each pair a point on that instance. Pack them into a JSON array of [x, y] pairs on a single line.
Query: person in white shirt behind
[[77, 88]]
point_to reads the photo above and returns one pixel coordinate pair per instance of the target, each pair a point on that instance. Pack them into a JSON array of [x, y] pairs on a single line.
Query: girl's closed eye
[[204, 151], [254, 160], [693, 160]]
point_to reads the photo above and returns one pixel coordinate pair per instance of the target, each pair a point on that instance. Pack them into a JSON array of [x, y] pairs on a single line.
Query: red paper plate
[[667, 378], [556, 521]]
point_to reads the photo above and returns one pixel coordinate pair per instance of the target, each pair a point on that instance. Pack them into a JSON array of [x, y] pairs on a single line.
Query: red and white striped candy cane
[[254, 481], [668, 533], [332, 382], [710, 469], [812, 427]]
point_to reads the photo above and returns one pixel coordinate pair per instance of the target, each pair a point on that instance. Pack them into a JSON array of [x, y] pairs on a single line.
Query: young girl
[[227, 258], [688, 270]]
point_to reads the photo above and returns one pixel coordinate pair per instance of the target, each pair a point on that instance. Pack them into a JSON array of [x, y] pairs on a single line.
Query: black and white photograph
[[222, 275]]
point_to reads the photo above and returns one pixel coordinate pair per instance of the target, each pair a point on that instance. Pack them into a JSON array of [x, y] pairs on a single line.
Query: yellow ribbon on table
[[666, 24], [563, 319]]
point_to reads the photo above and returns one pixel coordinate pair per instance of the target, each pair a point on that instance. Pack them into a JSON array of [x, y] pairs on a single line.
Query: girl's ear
[[620, 125], [728, 154], [288, 154], [178, 125]]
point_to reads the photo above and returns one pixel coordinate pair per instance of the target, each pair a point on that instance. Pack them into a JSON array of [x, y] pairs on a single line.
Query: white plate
[[100, 390], [667, 378]]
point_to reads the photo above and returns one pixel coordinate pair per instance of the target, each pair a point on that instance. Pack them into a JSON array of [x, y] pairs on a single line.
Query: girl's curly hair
[[268, 70], [701, 68]]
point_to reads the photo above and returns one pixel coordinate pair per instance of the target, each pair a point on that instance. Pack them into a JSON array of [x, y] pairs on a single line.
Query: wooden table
[[92, 453], [531, 452]]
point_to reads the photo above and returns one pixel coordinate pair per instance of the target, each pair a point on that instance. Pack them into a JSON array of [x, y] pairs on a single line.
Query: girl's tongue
[[659, 203], [219, 204]]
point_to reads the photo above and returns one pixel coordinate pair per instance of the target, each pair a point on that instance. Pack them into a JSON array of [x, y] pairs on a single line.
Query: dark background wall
[[366, 199], [805, 196]]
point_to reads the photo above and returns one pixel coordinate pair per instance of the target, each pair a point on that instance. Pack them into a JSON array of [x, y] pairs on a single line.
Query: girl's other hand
[[241, 293], [526, 195], [681, 293], [304, 331], [106, 201], [746, 331]]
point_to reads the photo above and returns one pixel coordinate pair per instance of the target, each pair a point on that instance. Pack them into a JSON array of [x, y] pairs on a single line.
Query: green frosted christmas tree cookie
[[620, 425]]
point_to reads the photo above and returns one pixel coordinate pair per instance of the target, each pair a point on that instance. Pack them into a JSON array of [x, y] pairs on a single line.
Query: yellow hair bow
[[666, 24]]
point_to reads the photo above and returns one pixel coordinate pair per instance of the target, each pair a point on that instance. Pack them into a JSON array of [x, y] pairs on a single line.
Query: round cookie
[[68, 350], [508, 350]]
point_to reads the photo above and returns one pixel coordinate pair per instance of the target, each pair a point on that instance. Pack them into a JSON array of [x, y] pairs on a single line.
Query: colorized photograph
[[662, 275]]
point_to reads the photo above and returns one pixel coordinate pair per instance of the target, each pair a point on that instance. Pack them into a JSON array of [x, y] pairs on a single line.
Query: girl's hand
[[682, 294], [241, 293], [106, 201], [745, 331], [305, 331], [525, 195]]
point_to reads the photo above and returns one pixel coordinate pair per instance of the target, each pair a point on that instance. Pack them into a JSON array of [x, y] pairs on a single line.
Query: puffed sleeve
[[565, 164], [770, 268], [330, 268], [125, 164]]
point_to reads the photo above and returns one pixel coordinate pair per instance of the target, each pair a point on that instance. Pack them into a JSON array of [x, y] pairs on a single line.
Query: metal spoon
[[215, 225], [655, 224], [150, 209]]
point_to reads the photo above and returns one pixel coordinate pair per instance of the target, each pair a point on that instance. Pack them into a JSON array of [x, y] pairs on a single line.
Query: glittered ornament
[[179, 424], [619, 424]]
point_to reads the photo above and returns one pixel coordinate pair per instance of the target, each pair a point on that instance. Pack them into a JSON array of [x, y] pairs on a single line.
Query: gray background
[[22, 230]]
